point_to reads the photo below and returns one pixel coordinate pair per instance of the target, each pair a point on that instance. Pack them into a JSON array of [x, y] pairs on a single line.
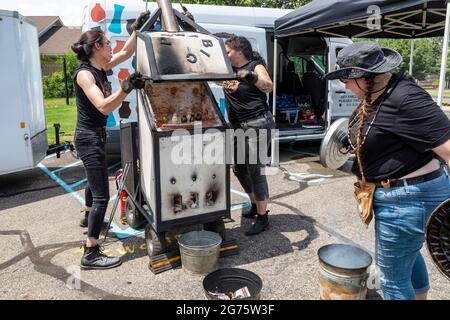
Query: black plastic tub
[[229, 280]]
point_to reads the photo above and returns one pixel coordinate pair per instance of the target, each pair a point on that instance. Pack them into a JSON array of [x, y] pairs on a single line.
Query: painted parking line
[[76, 184], [61, 182], [67, 166], [121, 234]]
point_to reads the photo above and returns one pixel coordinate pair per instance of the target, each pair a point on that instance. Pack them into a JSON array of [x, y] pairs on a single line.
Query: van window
[[301, 61]]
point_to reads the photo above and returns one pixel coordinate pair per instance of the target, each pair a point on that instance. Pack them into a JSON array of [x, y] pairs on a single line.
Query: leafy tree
[[53, 85], [253, 3]]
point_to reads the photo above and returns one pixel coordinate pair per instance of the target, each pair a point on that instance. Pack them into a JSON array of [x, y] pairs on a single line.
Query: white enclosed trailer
[[23, 133]]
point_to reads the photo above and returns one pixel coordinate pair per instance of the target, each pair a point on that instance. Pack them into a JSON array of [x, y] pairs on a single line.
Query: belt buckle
[[386, 183]]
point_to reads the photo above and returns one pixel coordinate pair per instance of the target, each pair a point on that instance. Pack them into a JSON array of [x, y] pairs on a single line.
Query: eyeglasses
[[344, 81]]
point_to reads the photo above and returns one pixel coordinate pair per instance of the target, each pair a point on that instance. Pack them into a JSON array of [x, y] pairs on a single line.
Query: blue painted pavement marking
[[66, 167]]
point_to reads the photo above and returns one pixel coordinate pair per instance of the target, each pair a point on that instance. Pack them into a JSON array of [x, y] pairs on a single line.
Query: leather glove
[[133, 81], [247, 76], [139, 22], [186, 13], [185, 25]]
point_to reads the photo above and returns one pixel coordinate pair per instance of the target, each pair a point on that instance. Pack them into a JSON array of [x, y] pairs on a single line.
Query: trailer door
[[15, 154]]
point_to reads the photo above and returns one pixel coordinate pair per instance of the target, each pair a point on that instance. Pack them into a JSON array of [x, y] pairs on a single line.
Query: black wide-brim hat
[[364, 59]]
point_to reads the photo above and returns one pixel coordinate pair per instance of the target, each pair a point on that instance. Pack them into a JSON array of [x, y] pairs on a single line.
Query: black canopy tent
[[401, 19], [358, 18]]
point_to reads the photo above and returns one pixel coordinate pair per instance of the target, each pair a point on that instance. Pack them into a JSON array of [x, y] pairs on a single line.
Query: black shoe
[[252, 213], [261, 224], [94, 258], [84, 221]]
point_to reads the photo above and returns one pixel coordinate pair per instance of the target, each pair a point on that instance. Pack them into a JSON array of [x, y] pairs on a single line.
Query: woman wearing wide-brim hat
[[397, 134]]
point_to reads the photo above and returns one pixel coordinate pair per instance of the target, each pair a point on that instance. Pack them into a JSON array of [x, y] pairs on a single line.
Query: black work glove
[[247, 76], [186, 13], [139, 22], [133, 81]]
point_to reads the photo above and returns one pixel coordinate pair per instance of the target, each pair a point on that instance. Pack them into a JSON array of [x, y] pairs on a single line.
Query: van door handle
[[341, 92], [26, 136]]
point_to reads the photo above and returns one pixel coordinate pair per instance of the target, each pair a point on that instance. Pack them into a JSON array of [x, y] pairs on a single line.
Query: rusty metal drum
[[343, 272]]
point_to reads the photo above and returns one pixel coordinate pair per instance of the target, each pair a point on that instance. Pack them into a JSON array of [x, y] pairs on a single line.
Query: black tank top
[[248, 102], [88, 116]]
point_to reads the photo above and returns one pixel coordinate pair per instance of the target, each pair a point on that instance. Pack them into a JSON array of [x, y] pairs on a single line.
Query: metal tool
[[116, 201]]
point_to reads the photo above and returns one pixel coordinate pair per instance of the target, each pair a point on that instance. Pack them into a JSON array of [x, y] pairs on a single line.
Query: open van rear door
[[341, 101]]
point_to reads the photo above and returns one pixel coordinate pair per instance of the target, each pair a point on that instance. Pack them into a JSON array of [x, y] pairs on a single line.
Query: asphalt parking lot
[[310, 206]]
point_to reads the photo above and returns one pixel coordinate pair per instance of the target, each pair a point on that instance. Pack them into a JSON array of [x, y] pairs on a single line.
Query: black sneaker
[[261, 224], [252, 213], [84, 221], [94, 258]]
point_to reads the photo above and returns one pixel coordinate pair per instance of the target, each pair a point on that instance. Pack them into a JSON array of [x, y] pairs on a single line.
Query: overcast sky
[[68, 10]]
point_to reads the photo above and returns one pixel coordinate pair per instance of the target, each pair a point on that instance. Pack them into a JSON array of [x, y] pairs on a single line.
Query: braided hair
[[362, 112]]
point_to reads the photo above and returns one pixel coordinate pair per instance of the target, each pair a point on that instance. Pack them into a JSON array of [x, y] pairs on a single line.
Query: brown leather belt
[[395, 183]]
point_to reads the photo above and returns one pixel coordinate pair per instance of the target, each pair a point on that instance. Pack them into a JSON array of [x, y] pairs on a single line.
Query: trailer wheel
[[217, 227], [155, 242], [134, 217]]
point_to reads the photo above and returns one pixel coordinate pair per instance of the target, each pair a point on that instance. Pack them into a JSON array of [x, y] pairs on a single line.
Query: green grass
[[56, 111], [434, 93]]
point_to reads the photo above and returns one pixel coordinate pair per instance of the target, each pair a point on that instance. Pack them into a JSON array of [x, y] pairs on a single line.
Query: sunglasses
[[344, 81]]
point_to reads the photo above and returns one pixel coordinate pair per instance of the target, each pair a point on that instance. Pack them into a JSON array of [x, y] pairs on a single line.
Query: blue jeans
[[401, 215]]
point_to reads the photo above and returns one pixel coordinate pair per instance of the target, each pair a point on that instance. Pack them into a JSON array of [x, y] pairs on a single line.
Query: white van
[[257, 25], [23, 133]]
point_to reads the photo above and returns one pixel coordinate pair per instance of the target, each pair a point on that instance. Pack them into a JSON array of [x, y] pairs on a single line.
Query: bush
[[53, 85]]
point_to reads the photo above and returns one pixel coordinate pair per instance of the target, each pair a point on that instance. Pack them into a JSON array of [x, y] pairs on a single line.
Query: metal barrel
[[227, 281], [199, 251], [343, 272]]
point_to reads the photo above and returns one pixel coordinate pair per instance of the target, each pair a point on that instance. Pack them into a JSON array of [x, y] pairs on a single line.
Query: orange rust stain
[[333, 291]]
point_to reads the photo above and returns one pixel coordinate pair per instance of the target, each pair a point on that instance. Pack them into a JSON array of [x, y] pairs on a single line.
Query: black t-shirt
[[248, 102], [88, 116], [409, 124]]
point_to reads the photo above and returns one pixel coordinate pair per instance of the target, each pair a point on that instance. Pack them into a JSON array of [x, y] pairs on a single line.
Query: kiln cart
[[178, 175]]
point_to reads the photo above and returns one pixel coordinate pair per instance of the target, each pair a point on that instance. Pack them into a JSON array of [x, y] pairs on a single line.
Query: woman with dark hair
[[398, 133], [247, 108], [94, 102]]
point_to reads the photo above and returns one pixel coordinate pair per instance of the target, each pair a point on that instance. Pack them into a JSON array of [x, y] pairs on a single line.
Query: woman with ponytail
[[401, 140], [95, 101]]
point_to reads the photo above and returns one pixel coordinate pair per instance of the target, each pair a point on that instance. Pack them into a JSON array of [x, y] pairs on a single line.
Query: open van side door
[[341, 101]]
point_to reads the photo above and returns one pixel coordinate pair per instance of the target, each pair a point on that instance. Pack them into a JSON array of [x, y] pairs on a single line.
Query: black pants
[[90, 146], [248, 168]]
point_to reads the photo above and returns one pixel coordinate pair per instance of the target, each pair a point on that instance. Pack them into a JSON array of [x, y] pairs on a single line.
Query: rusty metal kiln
[[173, 181]]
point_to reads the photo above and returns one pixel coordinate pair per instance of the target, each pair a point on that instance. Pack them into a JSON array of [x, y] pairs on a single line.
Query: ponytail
[[83, 48]]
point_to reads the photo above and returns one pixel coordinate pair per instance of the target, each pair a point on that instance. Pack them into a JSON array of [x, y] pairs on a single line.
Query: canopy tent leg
[[444, 58], [273, 151], [411, 56]]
